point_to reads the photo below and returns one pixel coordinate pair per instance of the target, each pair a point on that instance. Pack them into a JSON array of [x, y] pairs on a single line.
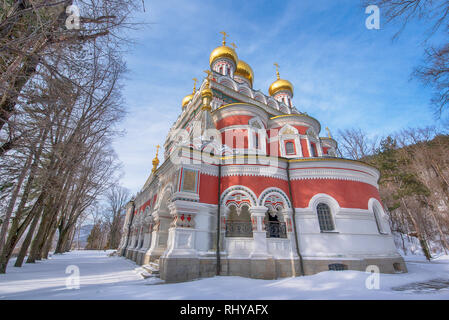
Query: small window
[[337, 267], [324, 217], [313, 149], [290, 148], [397, 267]]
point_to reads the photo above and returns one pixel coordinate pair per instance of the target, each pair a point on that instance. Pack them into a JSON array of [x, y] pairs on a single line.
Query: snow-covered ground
[[104, 277]]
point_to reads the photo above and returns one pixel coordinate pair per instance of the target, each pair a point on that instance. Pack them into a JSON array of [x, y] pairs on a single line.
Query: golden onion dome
[[280, 85], [186, 100], [245, 71], [223, 52], [189, 97]]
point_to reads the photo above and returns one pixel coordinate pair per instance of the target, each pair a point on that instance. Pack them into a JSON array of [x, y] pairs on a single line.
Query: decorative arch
[[228, 83], [374, 206], [289, 133], [288, 129], [167, 192], [260, 97], [243, 89], [274, 191], [322, 198], [256, 122], [238, 195], [273, 103]]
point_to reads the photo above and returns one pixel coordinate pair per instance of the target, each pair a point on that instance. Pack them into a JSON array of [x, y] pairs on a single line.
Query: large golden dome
[[244, 70], [186, 100], [223, 52], [279, 85]]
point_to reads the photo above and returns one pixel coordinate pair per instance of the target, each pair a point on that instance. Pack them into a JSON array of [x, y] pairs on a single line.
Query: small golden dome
[[245, 71], [223, 52], [189, 97], [186, 100], [279, 85]]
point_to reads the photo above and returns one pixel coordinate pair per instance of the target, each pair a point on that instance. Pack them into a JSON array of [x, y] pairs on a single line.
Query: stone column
[[148, 236], [223, 216], [153, 252], [287, 215], [259, 233], [181, 235], [180, 261]]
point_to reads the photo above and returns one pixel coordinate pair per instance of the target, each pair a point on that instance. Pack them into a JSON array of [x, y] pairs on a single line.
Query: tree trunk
[[421, 237], [15, 233], [12, 201], [26, 242]]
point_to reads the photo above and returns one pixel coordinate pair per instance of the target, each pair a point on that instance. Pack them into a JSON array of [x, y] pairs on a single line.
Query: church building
[[248, 187]]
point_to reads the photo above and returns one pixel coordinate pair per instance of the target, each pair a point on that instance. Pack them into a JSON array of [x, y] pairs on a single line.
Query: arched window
[[324, 217], [238, 222], [377, 217], [289, 148]]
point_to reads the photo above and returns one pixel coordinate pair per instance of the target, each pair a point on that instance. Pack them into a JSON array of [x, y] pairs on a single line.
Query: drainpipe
[[129, 227], [218, 218], [294, 219]]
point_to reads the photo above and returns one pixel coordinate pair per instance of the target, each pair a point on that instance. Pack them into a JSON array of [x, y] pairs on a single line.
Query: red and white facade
[[252, 175]]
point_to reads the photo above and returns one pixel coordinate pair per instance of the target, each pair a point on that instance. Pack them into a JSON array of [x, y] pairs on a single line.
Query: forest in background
[[414, 181]]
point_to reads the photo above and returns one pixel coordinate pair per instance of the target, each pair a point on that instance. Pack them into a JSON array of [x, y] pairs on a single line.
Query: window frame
[[293, 151], [330, 217]]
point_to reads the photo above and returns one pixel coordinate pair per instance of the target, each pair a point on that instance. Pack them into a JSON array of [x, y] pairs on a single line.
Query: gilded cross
[[328, 133], [157, 149], [194, 84], [224, 36], [277, 70], [209, 74]]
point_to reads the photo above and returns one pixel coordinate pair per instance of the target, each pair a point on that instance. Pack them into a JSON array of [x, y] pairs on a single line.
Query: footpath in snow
[[104, 277]]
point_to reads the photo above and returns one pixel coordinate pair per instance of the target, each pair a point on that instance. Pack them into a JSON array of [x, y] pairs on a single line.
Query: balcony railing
[[276, 229], [239, 229]]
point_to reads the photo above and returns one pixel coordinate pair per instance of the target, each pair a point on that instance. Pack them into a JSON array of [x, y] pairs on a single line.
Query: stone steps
[[151, 269]]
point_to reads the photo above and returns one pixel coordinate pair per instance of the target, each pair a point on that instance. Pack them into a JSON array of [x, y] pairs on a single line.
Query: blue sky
[[344, 74]]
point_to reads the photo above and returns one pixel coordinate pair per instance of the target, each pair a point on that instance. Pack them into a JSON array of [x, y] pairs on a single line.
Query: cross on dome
[[328, 133], [194, 84], [277, 70], [224, 36]]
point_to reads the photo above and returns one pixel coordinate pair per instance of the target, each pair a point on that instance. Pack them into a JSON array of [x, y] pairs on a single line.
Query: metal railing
[[276, 229], [239, 229]]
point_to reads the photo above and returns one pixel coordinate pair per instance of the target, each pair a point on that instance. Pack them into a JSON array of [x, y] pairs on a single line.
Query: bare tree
[[116, 199], [355, 144], [435, 71], [55, 137]]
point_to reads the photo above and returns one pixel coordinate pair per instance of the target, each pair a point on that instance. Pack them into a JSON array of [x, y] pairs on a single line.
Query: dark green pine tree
[[393, 165]]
